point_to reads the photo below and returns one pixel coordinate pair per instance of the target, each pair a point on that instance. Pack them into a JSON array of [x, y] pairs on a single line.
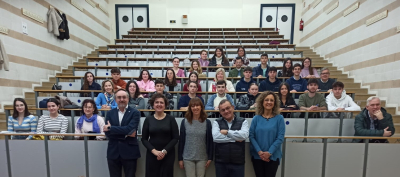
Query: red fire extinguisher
[[301, 24]]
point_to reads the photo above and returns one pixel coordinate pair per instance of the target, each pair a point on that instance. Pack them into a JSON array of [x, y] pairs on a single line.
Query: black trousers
[[265, 169], [115, 167], [160, 168]]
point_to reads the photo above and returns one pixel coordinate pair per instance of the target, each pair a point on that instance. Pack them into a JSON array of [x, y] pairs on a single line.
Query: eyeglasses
[[122, 97], [325, 73]]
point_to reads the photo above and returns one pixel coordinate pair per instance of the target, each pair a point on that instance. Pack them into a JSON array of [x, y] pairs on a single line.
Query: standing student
[[267, 132], [241, 54], [171, 84], [196, 67], [121, 129], [204, 58], [89, 83], [116, 79], [196, 146], [90, 121], [287, 101], [106, 100], [160, 134], [54, 122], [136, 100], [296, 83], [307, 71], [287, 68], [179, 72], [220, 75], [219, 58], [21, 120], [193, 77], [262, 69], [145, 82], [271, 83]]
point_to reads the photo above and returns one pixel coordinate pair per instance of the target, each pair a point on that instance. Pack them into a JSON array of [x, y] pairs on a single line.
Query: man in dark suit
[[121, 126]]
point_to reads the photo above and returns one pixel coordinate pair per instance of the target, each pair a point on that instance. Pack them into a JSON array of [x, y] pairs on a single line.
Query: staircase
[[360, 96]]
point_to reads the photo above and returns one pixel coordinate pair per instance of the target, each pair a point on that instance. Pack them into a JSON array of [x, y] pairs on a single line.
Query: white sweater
[[345, 102]]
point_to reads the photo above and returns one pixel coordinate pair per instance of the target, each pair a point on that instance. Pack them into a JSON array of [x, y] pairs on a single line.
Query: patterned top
[[47, 124], [29, 124]]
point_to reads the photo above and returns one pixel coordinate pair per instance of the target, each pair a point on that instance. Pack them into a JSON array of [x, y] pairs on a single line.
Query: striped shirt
[[29, 124], [51, 125]]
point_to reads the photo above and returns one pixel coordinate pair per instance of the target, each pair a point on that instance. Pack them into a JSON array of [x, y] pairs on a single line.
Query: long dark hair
[[224, 59], [197, 80], [148, 73], [86, 82], [137, 92], [288, 96], [244, 55], [194, 102], [285, 71], [15, 112], [310, 69], [166, 80], [86, 101]]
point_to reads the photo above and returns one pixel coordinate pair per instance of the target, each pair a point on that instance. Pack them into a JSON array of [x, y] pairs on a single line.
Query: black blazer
[[209, 140], [118, 143]]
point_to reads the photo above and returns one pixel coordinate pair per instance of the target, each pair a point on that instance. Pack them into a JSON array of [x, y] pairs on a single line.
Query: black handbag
[[56, 87]]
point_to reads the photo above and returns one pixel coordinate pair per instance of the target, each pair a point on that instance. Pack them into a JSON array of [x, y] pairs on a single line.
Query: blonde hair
[[199, 70], [260, 100], [104, 83], [216, 73]]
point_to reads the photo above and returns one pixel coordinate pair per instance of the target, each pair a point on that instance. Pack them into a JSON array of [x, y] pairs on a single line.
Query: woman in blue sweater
[[21, 120], [105, 99], [267, 132]]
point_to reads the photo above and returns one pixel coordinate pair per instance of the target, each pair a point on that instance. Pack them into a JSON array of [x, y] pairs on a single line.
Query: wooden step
[[351, 85], [396, 119], [357, 90], [2, 116], [102, 47], [391, 110], [361, 96], [363, 103]]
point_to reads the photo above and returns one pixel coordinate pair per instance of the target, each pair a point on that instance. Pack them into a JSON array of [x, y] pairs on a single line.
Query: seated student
[[89, 83], [196, 67], [106, 100], [338, 100], [116, 79], [21, 120], [178, 72], [171, 84], [204, 58], [287, 101], [246, 80], [312, 101], [373, 120], [136, 100], [241, 54], [262, 69], [184, 100], [286, 68], [220, 75], [307, 71], [193, 77], [89, 122], [213, 101], [296, 83], [145, 82], [160, 85], [54, 122], [238, 70], [325, 83], [247, 101], [219, 58], [271, 83]]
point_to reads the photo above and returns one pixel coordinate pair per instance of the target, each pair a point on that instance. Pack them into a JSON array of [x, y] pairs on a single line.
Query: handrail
[[145, 59], [161, 67], [200, 78], [172, 92]]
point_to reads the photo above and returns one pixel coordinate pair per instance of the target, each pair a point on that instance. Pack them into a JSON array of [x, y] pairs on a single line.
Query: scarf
[[93, 119], [109, 98]]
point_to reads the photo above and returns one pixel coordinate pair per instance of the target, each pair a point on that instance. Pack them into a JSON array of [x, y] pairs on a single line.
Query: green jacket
[[234, 72], [362, 124]]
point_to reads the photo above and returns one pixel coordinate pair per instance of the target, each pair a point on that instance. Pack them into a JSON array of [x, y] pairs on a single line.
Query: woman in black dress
[[160, 134]]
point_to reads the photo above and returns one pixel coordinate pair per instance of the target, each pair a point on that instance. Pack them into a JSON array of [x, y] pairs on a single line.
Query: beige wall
[[205, 13], [371, 54], [36, 56]]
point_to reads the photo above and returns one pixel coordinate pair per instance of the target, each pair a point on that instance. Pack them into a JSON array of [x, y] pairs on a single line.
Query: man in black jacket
[[229, 133]]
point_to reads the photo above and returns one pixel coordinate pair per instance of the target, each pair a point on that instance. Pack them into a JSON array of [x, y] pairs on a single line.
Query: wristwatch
[[164, 151], [109, 127]]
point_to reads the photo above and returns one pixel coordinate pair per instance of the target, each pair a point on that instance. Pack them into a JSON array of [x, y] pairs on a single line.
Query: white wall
[[205, 13]]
